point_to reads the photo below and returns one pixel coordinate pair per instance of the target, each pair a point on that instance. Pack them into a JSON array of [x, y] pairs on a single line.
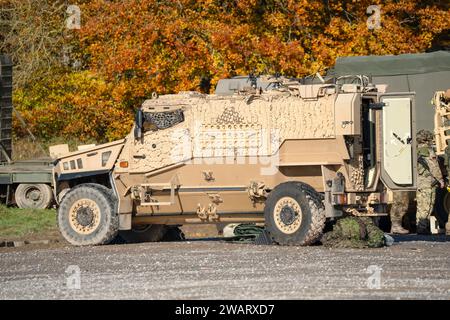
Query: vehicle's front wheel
[[294, 214], [87, 215]]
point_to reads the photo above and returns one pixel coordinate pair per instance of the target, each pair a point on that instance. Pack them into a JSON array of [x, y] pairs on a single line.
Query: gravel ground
[[222, 270]]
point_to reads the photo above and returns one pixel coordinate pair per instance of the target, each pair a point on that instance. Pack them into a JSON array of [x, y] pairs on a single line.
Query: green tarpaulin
[[422, 73], [393, 65]]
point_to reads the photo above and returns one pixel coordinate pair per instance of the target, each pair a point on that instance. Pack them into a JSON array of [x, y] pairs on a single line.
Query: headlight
[[105, 157]]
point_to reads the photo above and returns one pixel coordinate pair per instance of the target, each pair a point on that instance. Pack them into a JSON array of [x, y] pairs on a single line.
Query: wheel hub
[[84, 216], [33, 195], [287, 215]]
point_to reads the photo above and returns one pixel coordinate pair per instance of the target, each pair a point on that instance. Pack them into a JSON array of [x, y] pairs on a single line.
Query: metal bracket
[[201, 213], [146, 187], [208, 175], [212, 212]]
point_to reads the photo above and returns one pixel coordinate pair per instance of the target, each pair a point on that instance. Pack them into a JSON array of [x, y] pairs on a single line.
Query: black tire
[[294, 214], [96, 220], [173, 233], [33, 196], [144, 233]]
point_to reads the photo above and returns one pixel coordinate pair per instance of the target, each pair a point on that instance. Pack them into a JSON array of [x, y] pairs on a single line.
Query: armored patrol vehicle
[[286, 154]]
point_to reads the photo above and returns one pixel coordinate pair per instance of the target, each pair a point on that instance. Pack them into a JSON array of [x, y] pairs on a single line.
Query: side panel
[[231, 128], [398, 141], [348, 114], [32, 177], [98, 159]]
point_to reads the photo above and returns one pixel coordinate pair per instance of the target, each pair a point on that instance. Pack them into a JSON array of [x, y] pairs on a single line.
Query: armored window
[[162, 120]]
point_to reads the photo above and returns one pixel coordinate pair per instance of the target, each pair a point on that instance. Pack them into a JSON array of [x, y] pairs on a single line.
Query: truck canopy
[[391, 65], [422, 73]]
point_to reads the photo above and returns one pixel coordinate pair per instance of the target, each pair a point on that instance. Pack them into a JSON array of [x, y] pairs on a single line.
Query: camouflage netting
[[354, 232]]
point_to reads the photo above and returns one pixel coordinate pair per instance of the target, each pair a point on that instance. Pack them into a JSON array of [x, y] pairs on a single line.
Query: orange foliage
[[76, 106], [170, 45], [132, 48]]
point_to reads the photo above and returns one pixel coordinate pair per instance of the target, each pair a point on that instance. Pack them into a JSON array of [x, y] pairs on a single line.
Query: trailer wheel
[[294, 214], [33, 196], [144, 233], [87, 215]]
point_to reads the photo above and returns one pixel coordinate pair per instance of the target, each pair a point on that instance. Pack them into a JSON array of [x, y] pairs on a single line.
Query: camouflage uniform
[[426, 192], [447, 159], [398, 210]]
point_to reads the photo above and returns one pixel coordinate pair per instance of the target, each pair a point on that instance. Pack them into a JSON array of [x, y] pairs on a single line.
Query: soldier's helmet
[[424, 137]]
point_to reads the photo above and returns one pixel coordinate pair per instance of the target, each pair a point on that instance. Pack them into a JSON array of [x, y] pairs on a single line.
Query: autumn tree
[[125, 50], [32, 33]]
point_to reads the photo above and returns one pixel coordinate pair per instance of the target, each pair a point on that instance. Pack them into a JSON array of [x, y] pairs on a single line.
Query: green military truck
[[24, 183]]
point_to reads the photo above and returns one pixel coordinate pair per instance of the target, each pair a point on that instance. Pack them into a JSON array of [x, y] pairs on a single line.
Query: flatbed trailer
[[25, 183]]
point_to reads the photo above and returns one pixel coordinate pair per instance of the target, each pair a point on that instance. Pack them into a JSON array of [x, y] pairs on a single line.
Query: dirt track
[[219, 270]]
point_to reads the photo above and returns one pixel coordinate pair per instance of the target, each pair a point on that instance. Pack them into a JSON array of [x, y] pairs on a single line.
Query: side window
[[162, 120]]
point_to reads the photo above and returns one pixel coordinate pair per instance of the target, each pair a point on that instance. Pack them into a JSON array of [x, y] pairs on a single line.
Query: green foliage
[[354, 232], [24, 148]]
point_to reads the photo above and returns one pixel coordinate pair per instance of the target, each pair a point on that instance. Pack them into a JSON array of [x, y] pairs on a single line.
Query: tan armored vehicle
[[288, 155]]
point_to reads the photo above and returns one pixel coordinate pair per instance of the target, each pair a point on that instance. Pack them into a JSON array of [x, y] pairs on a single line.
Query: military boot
[[423, 227], [396, 228], [447, 228]]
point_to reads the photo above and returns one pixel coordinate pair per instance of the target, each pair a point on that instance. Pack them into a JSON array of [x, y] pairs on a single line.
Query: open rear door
[[399, 158]]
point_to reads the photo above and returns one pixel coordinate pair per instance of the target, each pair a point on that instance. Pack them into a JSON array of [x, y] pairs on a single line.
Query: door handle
[[398, 138]]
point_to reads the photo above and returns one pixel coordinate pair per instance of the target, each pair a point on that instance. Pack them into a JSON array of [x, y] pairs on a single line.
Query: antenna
[[320, 77]]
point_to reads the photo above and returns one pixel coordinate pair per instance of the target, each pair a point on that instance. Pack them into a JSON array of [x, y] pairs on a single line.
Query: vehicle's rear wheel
[[294, 214], [33, 196], [144, 233], [87, 215]]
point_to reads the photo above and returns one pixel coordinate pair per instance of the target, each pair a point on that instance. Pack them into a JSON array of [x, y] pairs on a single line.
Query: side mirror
[[138, 124]]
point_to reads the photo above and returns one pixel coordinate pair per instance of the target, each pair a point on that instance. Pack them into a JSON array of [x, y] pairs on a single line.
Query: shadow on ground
[[419, 237]]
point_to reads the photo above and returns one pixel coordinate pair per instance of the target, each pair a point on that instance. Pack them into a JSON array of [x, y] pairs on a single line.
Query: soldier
[[446, 156], [398, 210], [429, 177]]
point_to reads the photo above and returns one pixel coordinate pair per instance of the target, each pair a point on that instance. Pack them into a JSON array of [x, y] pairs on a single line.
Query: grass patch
[[15, 223]]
